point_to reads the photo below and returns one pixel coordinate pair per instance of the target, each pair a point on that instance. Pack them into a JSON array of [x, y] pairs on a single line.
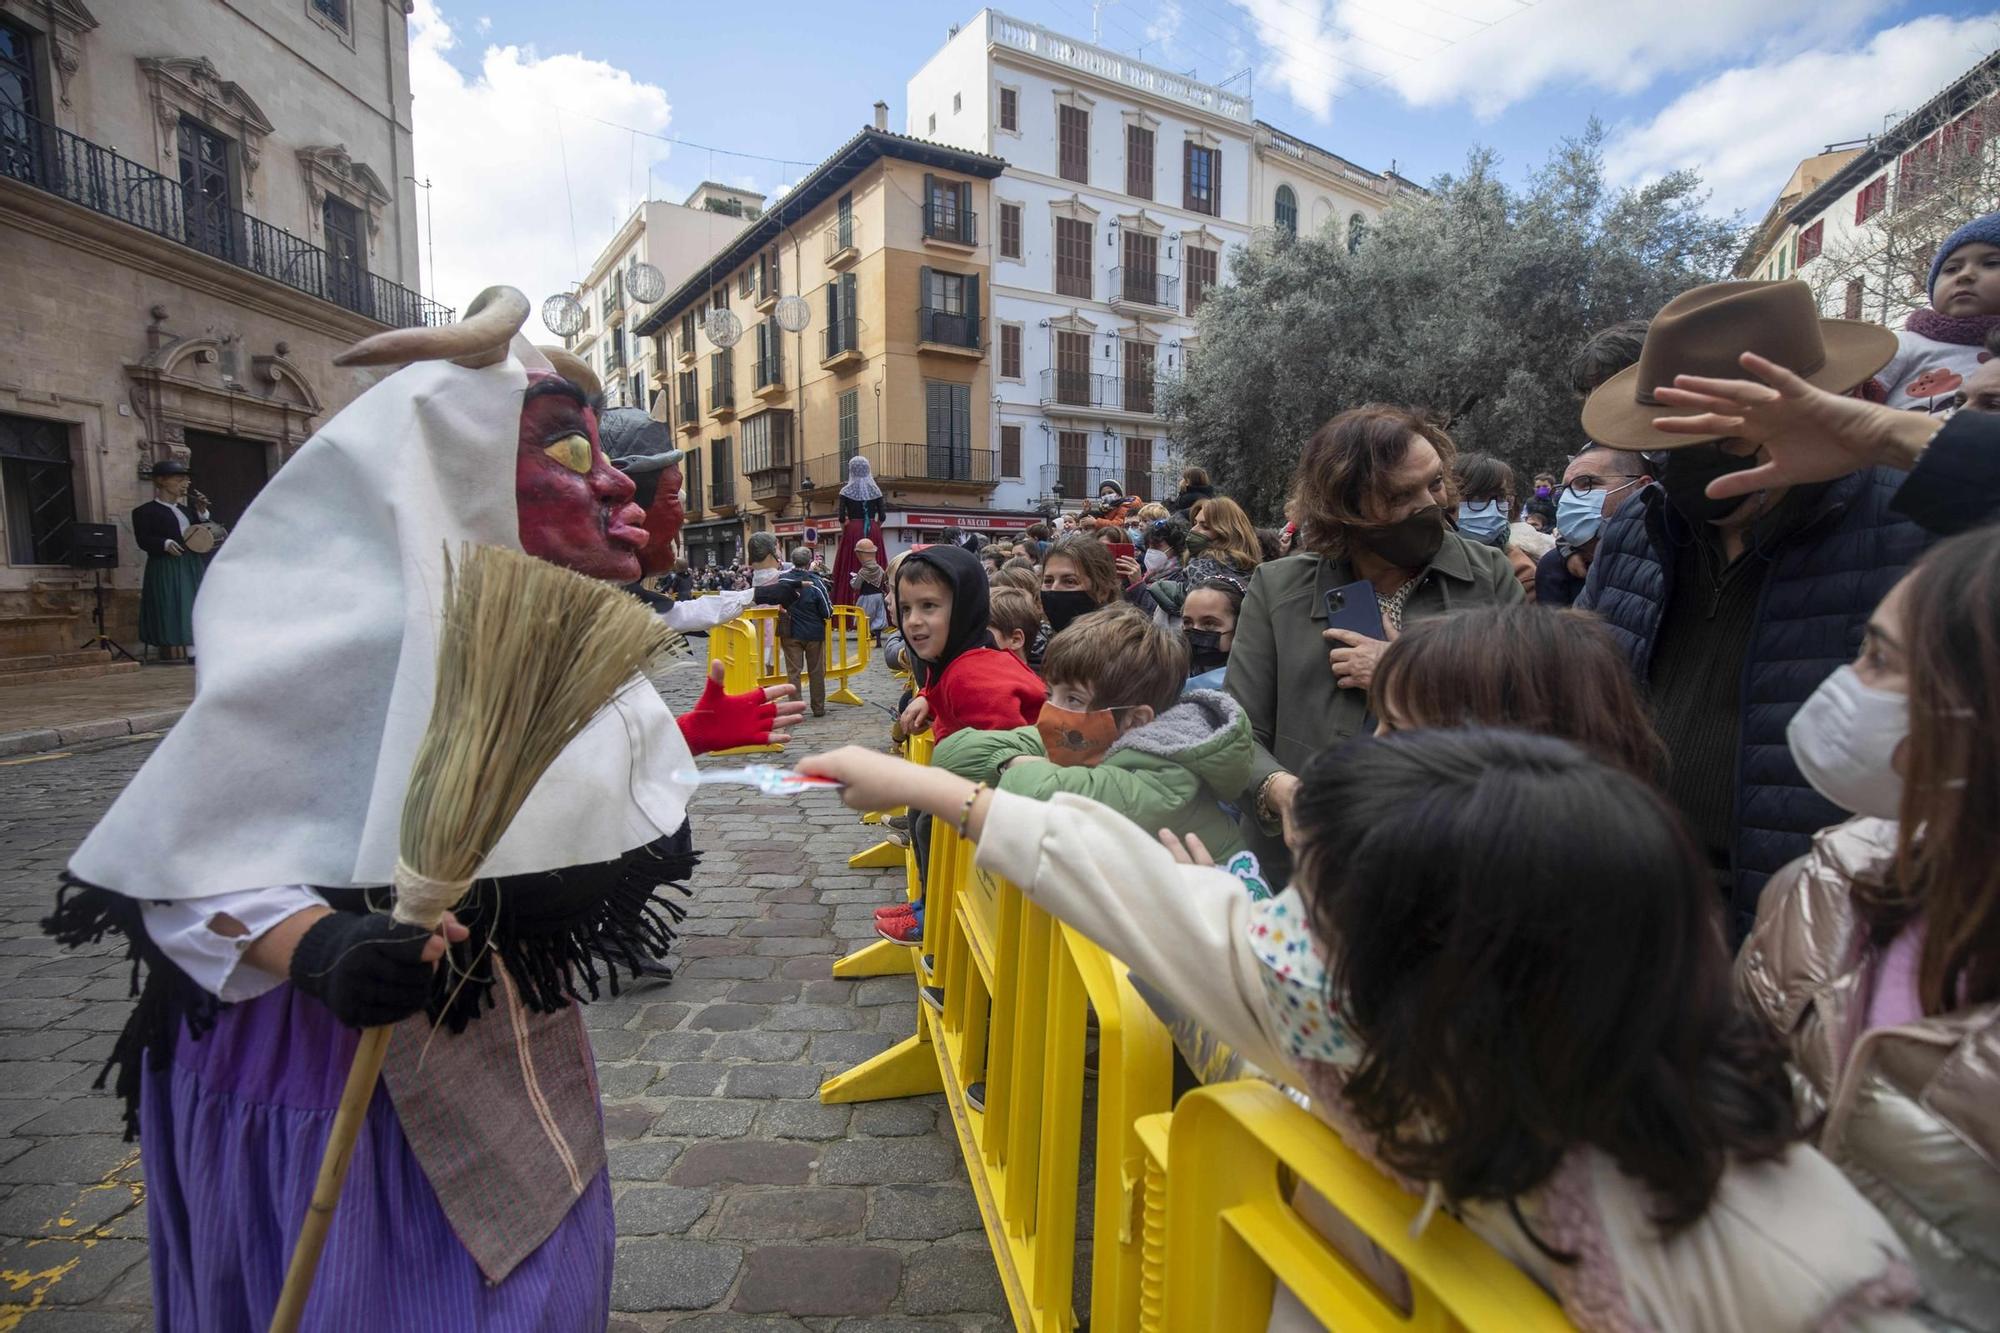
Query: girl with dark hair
[[1567, 1068], [1208, 621], [1485, 498], [1555, 673], [1877, 955]]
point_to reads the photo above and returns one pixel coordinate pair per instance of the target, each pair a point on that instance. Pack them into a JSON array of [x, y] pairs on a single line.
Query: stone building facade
[[201, 202]]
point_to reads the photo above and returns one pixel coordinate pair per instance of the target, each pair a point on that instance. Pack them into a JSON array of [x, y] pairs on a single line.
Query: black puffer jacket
[[1825, 580], [1189, 498]]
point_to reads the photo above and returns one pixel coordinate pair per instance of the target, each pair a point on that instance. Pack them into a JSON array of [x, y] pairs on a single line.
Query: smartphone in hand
[[1355, 608]]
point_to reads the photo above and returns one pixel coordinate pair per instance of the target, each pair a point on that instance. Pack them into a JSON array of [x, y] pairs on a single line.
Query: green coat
[[1277, 662], [1172, 773]]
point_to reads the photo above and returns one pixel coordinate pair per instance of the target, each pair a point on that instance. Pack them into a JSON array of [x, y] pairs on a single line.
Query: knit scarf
[[1964, 330]]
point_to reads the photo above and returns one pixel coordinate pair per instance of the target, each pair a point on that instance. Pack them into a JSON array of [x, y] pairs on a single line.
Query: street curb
[[41, 739]]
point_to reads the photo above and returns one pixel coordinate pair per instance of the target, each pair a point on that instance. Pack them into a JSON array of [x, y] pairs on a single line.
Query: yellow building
[[878, 262]]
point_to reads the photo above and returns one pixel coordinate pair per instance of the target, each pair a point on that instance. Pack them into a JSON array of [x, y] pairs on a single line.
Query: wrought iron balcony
[[950, 223], [1079, 483], [947, 328], [941, 464], [843, 338], [722, 493], [1099, 392], [1144, 286], [842, 243], [94, 177]]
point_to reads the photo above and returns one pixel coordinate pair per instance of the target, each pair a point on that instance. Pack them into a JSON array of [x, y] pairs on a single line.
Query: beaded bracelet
[[965, 813]]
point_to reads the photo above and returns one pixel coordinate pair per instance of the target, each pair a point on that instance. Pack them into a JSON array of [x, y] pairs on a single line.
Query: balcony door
[[346, 256], [19, 101], [1073, 369], [1072, 458], [205, 193]]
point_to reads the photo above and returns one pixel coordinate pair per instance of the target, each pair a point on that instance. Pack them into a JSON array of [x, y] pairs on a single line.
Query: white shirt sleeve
[[699, 613], [1185, 929], [212, 959]]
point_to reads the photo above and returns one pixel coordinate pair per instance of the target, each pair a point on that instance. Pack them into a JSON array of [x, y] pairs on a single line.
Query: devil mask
[[575, 509], [643, 449]]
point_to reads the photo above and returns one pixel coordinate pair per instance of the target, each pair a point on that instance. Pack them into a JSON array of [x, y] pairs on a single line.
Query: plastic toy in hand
[[768, 779]]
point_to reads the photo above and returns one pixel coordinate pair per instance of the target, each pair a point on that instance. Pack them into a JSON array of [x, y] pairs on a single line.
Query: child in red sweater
[[963, 680]]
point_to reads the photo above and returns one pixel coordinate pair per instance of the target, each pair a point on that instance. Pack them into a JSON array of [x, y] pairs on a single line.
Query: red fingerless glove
[[723, 721]]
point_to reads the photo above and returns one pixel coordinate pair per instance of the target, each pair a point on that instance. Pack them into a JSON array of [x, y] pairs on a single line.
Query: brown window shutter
[[1187, 175]]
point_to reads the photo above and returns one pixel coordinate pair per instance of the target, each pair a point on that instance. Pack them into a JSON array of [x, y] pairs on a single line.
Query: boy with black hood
[[963, 681]]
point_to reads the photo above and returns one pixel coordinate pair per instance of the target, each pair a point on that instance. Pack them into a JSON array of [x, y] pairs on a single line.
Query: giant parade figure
[[246, 863]]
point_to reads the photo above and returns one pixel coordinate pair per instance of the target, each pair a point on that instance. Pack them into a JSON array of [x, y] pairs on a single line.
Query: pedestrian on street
[[804, 636]]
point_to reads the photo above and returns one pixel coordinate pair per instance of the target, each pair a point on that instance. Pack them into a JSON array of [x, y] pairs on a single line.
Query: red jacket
[[986, 690]]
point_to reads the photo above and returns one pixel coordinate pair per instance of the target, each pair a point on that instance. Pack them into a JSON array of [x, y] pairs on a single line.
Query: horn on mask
[[480, 339], [574, 369]]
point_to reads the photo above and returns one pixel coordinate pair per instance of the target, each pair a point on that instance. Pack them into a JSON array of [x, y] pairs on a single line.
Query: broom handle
[[354, 1099]]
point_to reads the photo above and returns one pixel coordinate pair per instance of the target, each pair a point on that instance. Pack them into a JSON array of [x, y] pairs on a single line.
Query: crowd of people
[[1613, 859]]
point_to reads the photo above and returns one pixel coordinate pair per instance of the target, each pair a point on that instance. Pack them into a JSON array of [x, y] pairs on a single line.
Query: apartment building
[[1300, 189], [1859, 222], [1125, 186], [675, 239], [858, 297], [200, 204]]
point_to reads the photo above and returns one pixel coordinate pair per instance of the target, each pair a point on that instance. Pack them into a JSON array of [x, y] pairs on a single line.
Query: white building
[[1125, 187], [1300, 189], [1842, 219], [673, 238]]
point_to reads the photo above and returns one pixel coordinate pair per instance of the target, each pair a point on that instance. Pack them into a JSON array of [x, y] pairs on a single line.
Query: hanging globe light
[[723, 328], [563, 314], [644, 283], [793, 313]]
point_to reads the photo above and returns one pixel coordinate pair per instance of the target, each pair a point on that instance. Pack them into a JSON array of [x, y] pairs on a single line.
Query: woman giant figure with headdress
[[253, 903], [861, 511]]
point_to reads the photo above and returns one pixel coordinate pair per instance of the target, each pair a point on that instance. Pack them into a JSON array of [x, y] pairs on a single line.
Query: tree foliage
[[1468, 302]]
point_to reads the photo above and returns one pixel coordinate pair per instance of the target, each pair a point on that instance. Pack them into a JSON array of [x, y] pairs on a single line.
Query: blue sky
[[1739, 88]]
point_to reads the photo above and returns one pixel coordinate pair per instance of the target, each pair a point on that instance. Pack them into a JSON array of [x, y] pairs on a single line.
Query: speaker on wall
[[94, 545]]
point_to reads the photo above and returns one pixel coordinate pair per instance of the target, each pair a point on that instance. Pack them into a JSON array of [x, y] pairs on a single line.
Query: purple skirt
[[232, 1136]]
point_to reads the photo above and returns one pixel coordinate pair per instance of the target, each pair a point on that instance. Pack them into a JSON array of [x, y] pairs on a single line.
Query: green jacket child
[[1174, 772]]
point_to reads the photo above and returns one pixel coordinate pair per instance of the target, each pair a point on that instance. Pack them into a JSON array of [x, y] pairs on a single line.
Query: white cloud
[[1746, 128], [1490, 54], [490, 144]]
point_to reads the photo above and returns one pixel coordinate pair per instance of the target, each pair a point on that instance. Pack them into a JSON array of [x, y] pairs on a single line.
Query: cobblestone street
[[742, 1202]]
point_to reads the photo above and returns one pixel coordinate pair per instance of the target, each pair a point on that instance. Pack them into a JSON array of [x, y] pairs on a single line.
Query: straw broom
[[527, 654]]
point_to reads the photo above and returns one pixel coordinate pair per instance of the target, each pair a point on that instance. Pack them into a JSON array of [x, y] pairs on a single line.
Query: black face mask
[[1686, 476], [1410, 542], [1205, 650], [1063, 607]]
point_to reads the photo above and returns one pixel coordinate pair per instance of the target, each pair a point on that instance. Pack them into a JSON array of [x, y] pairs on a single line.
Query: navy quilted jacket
[[1823, 583]]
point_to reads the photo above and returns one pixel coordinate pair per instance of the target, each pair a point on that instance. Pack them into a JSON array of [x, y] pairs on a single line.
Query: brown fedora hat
[[1703, 331]]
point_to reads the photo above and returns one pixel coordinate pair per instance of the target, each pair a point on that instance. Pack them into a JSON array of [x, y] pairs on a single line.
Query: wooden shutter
[[931, 220], [1215, 182], [937, 414], [1010, 351], [1139, 161], [1139, 468], [1010, 231], [972, 324], [848, 306], [1010, 451], [1073, 136], [1187, 174]]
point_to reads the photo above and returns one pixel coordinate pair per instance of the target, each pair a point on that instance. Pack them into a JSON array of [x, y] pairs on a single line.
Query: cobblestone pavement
[[742, 1202]]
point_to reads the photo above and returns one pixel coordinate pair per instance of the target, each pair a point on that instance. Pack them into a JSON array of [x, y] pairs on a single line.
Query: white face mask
[[1844, 740], [1155, 560]]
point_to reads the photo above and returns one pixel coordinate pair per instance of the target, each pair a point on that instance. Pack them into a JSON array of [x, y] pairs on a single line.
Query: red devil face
[[575, 509], [664, 517]]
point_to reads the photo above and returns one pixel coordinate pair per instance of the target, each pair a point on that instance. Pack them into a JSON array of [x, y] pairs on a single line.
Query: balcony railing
[[940, 463], [950, 223], [948, 328], [1079, 483], [722, 492], [1088, 388], [51, 158], [840, 239], [722, 395], [690, 407], [1144, 286], [842, 335]]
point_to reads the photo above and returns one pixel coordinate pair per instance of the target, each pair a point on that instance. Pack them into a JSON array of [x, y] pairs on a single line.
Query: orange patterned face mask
[[1074, 738]]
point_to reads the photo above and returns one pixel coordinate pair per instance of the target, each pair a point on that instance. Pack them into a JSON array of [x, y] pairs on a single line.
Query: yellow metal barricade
[[1018, 988], [770, 658], [885, 958], [734, 644], [1230, 1233], [846, 660]]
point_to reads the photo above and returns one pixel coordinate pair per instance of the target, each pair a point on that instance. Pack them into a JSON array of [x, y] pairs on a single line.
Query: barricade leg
[[884, 855], [883, 958], [907, 1069]]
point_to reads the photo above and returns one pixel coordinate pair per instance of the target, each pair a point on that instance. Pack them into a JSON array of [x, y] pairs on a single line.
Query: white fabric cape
[[316, 632]]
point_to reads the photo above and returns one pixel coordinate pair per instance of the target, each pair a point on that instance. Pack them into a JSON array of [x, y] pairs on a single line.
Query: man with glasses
[[1596, 482]]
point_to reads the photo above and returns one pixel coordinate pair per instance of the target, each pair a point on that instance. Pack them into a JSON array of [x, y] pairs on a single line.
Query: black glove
[[778, 593], [369, 970]]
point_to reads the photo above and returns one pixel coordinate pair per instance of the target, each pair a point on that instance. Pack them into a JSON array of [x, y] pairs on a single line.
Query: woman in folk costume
[[173, 572], [861, 510], [477, 1196]]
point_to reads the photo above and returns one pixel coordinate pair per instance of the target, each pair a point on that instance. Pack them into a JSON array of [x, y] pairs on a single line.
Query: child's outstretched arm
[[1184, 928]]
